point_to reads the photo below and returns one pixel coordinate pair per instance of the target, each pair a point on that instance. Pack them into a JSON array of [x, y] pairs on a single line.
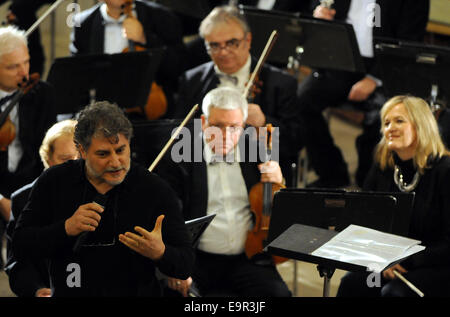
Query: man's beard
[[99, 176]]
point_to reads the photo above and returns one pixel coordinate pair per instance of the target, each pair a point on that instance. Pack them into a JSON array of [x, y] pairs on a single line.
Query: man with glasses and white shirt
[[220, 184], [228, 38]]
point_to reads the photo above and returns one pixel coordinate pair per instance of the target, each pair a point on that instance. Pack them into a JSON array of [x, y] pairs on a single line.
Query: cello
[[156, 105]]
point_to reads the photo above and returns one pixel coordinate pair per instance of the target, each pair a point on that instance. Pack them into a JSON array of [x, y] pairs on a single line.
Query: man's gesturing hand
[[148, 244], [85, 218]]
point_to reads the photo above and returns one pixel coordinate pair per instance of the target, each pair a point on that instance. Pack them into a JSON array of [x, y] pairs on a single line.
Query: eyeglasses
[[230, 45]]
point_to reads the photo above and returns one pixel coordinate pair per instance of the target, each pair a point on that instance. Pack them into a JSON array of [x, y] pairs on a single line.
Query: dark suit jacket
[[161, 27], [25, 277], [37, 114], [399, 19], [278, 99]]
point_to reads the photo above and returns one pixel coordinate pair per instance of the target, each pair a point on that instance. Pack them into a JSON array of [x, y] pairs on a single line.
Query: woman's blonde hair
[[62, 128], [429, 142]]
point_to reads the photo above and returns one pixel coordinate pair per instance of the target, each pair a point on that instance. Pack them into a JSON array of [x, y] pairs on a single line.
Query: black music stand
[[150, 137], [123, 78], [421, 70], [192, 8], [316, 43], [197, 226], [415, 68], [320, 209]]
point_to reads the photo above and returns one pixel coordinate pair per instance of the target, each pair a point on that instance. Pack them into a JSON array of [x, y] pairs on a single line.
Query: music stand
[[420, 70], [320, 209], [415, 68], [150, 137], [192, 8], [123, 78], [312, 42], [197, 226]]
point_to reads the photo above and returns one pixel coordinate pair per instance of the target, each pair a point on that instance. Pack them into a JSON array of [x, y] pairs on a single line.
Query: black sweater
[[105, 270], [430, 220]]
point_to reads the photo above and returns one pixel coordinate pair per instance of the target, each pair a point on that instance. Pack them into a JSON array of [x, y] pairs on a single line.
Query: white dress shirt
[[265, 4], [228, 199], [359, 15], [15, 150], [115, 40]]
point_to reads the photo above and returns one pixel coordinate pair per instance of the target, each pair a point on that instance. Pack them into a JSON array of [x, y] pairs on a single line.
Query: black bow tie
[[229, 78], [222, 159]]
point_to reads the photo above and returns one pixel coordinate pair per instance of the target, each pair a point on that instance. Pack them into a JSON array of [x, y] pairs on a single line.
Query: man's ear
[[81, 151], [249, 39], [204, 122]]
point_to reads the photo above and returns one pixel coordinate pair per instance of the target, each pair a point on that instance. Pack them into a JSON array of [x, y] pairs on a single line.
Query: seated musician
[[28, 279], [411, 157], [31, 117], [105, 28], [22, 13], [220, 184], [228, 39]]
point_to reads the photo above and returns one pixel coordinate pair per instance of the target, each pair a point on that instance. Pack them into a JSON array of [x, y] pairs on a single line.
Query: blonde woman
[[411, 157]]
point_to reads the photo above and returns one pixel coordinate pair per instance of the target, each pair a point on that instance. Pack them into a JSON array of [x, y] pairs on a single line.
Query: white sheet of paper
[[367, 247]]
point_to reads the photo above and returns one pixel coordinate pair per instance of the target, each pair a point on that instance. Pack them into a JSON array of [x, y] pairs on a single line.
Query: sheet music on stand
[[301, 219], [315, 43], [373, 249]]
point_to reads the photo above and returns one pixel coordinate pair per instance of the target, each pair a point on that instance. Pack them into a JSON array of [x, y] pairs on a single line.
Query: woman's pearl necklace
[[401, 184]]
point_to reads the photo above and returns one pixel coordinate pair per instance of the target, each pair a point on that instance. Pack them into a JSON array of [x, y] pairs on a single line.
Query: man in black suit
[[228, 39], [403, 19], [32, 116], [101, 29], [217, 180]]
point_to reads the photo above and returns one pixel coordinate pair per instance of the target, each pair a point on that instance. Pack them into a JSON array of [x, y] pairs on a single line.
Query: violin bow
[[43, 17], [172, 138], [262, 59]]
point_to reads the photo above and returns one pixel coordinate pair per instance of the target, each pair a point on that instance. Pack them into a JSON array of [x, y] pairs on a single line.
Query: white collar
[[108, 19], [242, 74], [4, 94]]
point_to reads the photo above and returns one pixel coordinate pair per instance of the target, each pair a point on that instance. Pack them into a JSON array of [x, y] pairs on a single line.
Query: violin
[[7, 127], [261, 194], [261, 197], [156, 105]]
